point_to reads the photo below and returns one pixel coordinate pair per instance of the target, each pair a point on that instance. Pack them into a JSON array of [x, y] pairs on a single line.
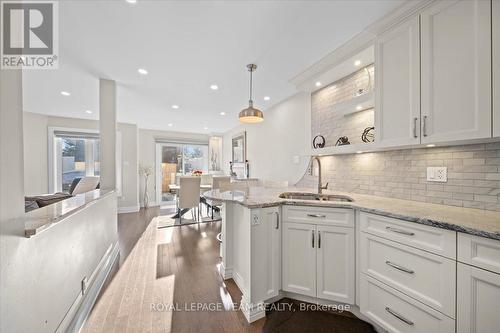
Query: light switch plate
[[255, 218], [437, 174]]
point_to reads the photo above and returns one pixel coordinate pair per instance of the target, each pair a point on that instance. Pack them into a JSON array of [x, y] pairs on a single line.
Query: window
[[73, 154]]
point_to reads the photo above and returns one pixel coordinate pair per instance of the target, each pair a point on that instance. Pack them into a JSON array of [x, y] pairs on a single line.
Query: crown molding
[[358, 43]]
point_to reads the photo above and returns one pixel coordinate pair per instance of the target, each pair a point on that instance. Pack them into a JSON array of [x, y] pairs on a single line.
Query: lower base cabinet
[[478, 300], [396, 312], [318, 259]]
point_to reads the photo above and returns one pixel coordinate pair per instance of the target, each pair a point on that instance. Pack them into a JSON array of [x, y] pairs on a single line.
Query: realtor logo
[[29, 35]]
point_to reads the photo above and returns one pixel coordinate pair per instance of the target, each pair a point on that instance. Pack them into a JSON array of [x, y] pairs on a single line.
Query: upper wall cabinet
[[496, 67], [397, 61], [456, 71]]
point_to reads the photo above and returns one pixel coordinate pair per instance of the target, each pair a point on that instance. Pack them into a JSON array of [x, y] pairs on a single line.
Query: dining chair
[[189, 196], [218, 182]]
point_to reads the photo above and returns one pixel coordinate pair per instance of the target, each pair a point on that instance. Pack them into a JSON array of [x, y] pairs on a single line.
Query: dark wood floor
[[165, 274], [176, 266]]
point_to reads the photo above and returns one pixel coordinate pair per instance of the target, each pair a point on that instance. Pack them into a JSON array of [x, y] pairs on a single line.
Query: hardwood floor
[[166, 274], [169, 267]]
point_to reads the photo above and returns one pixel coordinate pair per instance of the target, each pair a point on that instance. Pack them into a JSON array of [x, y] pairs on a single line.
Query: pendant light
[[251, 115]]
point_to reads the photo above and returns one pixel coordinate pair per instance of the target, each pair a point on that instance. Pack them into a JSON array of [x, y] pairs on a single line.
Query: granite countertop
[[43, 218], [478, 222]]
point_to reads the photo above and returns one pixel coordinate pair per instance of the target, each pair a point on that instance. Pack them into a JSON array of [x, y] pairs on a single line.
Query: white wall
[[147, 154], [40, 277], [36, 154], [272, 144]]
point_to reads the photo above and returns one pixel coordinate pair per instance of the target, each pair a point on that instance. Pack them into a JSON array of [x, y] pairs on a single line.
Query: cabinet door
[[335, 264], [299, 258], [456, 71], [496, 67], [397, 60], [478, 300], [266, 254]]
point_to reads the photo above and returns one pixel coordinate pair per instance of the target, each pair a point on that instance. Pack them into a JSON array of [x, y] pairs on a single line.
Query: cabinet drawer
[[343, 217], [397, 312], [427, 277], [479, 251], [435, 240]]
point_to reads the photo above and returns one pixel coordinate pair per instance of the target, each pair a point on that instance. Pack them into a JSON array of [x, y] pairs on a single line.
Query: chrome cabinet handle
[[277, 220], [316, 215], [312, 232], [400, 317], [319, 239], [415, 127], [400, 231], [399, 267], [425, 126]]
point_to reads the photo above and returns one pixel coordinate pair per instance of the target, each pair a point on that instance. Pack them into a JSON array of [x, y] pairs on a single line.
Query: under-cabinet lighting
[[318, 84], [430, 145], [359, 107], [357, 63]]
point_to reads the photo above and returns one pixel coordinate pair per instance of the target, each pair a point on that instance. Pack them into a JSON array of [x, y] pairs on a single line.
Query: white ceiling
[[186, 46]]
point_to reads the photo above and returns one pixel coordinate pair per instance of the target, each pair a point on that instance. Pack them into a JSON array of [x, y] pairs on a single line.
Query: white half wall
[[276, 147]]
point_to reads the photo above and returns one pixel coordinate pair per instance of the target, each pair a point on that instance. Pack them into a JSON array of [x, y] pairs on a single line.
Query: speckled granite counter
[[43, 218], [467, 220]]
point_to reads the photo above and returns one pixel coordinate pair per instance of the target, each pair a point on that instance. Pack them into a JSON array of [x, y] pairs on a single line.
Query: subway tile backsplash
[[473, 175]]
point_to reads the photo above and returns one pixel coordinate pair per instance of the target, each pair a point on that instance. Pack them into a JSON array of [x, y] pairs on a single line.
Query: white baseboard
[[129, 209], [81, 308]]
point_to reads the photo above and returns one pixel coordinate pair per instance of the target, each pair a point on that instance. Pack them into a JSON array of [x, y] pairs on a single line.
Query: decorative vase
[[146, 195]]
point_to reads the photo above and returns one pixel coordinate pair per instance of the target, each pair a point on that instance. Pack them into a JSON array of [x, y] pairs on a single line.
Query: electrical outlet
[[437, 174], [255, 219]]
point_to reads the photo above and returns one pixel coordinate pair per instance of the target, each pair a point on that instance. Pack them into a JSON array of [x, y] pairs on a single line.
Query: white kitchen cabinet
[[398, 313], [496, 66], [299, 258], [456, 71], [397, 62], [478, 300], [335, 264], [318, 253], [266, 254]]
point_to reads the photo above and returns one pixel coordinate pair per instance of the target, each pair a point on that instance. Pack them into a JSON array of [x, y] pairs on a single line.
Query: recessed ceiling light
[[431, 145], [318, 84], [170, 125], [267, 98], [357, 63], [222, 113], [142, 71], [214, 87], [359, 107], [205, 128], [131, 1], [175, 106], [65, 93], [88, 111]]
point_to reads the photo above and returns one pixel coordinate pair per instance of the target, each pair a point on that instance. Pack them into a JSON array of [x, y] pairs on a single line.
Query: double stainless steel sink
[[315, 197]]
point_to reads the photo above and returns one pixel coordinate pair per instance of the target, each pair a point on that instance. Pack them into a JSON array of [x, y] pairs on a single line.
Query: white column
[[11, 151], [107, 130]]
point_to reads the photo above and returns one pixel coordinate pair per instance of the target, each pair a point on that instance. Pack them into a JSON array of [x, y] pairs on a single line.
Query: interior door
[[397, 62], [477, 300], [299, 258], [335, 264], [456, 71]]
